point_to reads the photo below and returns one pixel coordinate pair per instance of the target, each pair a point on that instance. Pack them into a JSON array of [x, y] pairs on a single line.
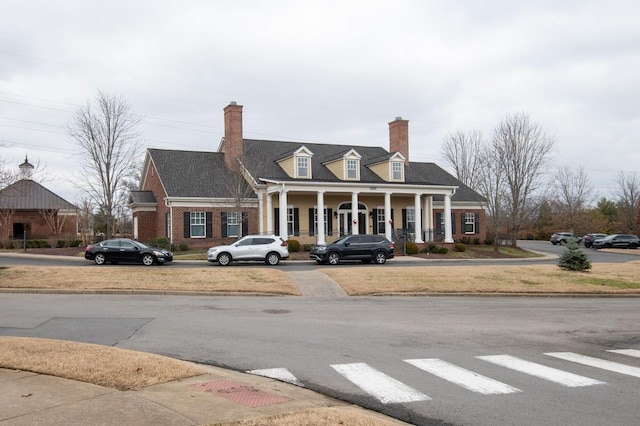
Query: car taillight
[[392, 246], [284, 244], [88, 248]]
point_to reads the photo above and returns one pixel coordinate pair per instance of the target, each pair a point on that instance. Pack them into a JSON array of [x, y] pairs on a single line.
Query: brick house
[[28, 207], [253, 186]]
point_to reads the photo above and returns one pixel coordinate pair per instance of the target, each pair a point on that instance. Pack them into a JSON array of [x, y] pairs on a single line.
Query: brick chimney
[[233, 142], [399, 137]]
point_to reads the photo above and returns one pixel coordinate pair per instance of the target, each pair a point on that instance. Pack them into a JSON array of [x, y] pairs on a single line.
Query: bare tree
[[85, 219], [491, 184], [573, 194], [628, 200], [54, 219], [522, 149], [461, 151], [108, 137]]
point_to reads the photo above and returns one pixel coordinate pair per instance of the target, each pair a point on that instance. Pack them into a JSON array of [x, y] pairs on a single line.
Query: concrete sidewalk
[[218, 396]]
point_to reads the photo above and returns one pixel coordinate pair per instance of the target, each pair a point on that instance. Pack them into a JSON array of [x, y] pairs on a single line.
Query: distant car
[[124, 250], [590, 238], [617, 241], [561, 238], [267, 248], [366, 248]]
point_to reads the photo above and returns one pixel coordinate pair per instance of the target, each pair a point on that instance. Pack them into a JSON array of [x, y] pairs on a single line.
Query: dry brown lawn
[[130, 370], [533, 279], [151, 279], [101, 365]]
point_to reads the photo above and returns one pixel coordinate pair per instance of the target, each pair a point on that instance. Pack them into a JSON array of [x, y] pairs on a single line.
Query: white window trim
[[473, 222], [237, 225], [191, 224], [297, 159], [391, 176], [346, 168]]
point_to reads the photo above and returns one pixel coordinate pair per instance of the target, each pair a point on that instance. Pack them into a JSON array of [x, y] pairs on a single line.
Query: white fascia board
[[206, 202], [370, 188]]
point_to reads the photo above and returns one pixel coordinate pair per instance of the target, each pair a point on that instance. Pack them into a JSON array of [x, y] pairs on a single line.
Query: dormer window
[[352, 168], [396, 170], [303, 167]]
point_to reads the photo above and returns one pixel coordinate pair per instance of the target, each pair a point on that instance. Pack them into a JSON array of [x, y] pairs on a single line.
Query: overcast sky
[[325, 71]]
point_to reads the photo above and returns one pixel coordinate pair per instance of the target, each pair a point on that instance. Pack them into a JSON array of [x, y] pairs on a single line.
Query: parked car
[[124, 250], [267, 248], [617, 241], [590, 238], [366, 248], [561, 238]]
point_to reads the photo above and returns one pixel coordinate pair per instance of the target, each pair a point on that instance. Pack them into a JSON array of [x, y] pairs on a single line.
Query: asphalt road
[[424, 360]]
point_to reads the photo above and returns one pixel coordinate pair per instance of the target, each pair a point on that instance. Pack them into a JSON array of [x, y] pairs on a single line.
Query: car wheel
[[380, 257], [147, 260], [100, 259], [553, 243], [633, 246], [224, 259], [333, 258], [272, 259], [563, 242]]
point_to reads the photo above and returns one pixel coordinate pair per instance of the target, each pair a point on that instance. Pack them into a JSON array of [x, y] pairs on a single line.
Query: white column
[[418, 217], [261, 212], [428, 217], [388, 226], [269, 214], [282, 220], [320, 234], [354, 213], [448, 237]]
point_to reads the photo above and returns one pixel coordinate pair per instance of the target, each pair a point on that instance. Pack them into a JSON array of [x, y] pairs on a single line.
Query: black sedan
[[126, 251], [617, 241]]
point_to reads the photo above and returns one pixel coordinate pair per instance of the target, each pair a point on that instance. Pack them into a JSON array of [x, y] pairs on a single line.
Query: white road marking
[[462, 377], [541, 371], [597, 362], [281, 374], [629, 352], [382, 387]]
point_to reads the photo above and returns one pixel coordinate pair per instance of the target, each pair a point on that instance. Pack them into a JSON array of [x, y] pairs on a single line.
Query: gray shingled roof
[[197, 174], [27, 194], [267, 153]]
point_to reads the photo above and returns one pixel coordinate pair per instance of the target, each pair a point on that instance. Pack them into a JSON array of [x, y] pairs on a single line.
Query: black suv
[[366, 248]]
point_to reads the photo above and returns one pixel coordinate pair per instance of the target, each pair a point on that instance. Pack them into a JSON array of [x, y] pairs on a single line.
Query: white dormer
[[298, 164], [391, 169], [396, 167], [352, 165], [345, 166]]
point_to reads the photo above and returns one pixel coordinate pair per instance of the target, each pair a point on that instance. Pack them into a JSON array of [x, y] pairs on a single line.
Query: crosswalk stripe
[[541, 371], [281, 374], [629, 352], [462, 377], [382, 387], [597, 362]]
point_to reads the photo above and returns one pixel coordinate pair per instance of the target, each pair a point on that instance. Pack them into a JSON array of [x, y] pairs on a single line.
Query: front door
[[345, 220]]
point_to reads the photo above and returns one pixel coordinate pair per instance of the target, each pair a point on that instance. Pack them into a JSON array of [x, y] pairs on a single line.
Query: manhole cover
[[276, 311]]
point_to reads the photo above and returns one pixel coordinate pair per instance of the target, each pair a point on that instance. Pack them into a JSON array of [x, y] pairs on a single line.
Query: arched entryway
[[345, 218]]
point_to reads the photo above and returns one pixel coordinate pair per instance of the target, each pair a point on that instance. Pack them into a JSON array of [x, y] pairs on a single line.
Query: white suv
[[267, 248]]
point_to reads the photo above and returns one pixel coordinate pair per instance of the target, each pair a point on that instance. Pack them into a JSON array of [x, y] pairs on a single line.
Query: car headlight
[[320, 248], [158, 253]]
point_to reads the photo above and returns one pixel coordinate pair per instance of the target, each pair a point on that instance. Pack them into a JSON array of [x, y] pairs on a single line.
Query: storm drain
[[239, 393]]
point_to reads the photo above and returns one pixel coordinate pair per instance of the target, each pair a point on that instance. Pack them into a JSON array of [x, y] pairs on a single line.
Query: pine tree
[[573, 258]]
